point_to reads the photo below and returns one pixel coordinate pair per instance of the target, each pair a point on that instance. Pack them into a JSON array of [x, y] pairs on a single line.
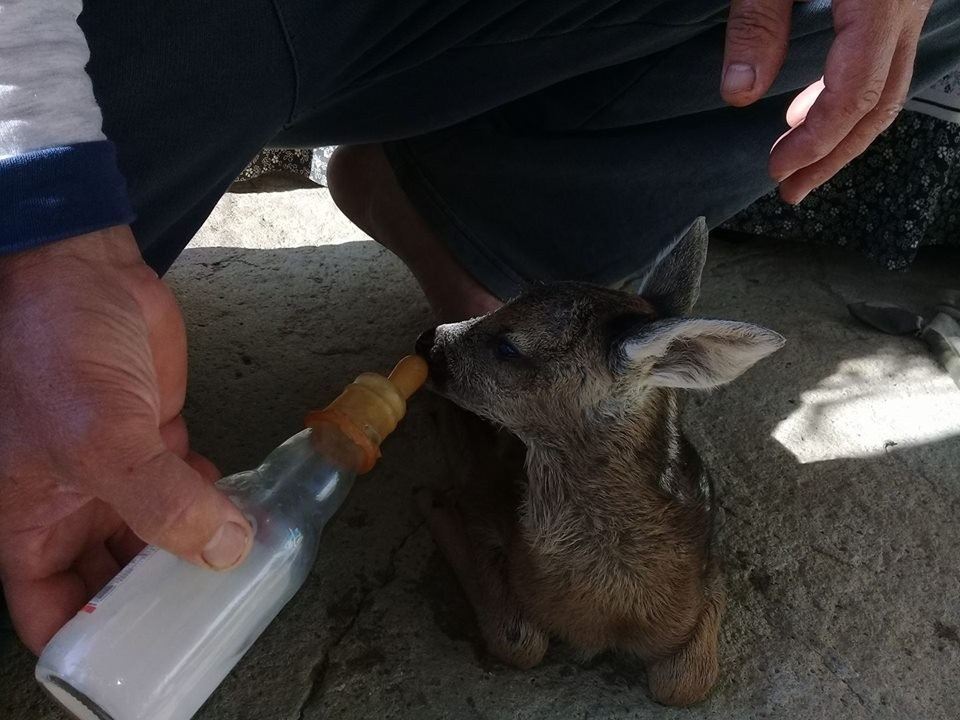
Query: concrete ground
[[836, 462]]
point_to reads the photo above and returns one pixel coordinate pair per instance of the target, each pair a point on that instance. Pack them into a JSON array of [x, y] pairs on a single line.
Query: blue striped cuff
[[58, 192]]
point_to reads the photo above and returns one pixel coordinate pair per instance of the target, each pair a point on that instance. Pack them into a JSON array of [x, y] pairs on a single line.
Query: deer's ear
[[693, 353], [672, 284]]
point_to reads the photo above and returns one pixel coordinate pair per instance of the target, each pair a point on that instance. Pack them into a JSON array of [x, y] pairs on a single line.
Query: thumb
[[167, 503], [756, 46]]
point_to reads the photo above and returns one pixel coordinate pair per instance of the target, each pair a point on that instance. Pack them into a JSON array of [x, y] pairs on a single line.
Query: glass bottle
[[160, 637]]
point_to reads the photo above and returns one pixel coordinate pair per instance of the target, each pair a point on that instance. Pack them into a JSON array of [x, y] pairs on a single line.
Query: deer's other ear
[[695, 353], [672, 285]]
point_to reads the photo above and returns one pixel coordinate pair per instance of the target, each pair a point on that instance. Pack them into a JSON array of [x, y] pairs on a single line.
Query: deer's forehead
[[569, 312]]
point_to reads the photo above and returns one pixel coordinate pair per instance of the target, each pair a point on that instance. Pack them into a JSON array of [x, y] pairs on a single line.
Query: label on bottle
[[107, 589]]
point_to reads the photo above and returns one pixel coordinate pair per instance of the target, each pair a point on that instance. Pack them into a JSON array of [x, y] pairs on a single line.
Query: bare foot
[[364, 187]]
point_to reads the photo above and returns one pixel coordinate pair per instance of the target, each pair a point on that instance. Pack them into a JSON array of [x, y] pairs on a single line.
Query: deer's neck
[[613, 471], [620, 447], [611, 494]]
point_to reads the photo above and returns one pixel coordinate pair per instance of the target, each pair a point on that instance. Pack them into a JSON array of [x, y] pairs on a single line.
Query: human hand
[[94, 454], [864, 84]]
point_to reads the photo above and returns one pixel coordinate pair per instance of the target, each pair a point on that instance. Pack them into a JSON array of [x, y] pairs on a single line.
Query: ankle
[[363, 185]]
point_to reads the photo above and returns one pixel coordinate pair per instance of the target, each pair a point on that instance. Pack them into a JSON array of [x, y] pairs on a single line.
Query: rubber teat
[[370, 407]]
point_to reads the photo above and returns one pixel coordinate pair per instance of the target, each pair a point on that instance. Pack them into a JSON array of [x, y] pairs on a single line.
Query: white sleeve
[[46, 97]]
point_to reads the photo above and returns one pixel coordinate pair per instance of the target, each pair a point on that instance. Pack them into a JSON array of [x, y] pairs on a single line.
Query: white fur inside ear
[[698, 353]]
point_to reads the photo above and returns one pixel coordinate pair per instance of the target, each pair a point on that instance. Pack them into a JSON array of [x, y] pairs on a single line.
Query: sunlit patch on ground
[[871, 405]]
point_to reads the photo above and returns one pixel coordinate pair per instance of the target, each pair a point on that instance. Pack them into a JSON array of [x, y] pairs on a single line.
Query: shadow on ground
[[844, 586]]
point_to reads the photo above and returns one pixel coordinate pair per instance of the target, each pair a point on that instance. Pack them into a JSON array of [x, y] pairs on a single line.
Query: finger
[[757, 34], [177, 440], [40, 607], [175, 437], [124, 545], [208, 471], [168, 341], [95, 567], [858, 64], [796, 187], [797, 112], [167, 503]]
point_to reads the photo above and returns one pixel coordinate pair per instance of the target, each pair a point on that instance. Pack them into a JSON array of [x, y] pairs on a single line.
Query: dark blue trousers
[[545, 139]]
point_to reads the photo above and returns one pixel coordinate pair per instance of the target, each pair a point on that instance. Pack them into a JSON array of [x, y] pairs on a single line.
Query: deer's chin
[[439, 384], [448, 393], [453, 397]]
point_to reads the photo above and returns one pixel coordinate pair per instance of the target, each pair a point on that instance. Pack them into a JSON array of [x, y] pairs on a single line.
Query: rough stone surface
[[836, 461]]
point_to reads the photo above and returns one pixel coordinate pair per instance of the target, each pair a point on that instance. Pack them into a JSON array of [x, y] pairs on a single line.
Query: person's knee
[[943, 24]]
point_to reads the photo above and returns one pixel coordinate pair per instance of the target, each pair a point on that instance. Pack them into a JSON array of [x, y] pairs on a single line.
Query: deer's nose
[[425, 342]]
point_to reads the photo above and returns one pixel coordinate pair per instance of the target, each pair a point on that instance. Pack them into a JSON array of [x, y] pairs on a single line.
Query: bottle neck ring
[[369, 447]]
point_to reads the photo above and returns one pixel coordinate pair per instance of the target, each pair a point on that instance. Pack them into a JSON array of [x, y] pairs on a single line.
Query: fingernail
[[738, 78], [226, 547]]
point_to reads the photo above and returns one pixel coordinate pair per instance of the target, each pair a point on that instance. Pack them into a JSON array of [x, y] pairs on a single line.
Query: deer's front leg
[[477, 552], [688, 676]]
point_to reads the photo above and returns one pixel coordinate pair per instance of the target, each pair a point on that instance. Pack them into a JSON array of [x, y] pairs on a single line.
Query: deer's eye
[[506, 350]]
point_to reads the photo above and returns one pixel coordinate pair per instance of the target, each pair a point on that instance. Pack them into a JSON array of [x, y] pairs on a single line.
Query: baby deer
[[597, 530]]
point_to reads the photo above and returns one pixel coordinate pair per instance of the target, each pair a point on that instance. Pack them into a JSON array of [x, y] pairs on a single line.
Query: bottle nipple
[[370, 408]]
